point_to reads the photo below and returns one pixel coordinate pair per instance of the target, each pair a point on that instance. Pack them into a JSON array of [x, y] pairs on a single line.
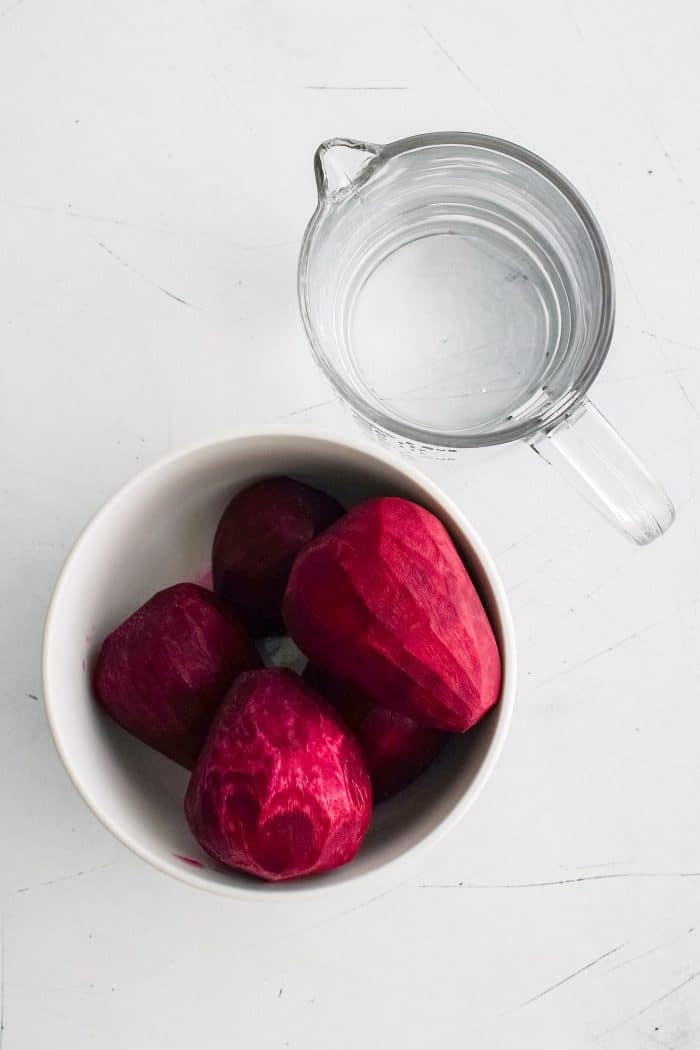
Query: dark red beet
[[164, 671], [397, 748], [260, 533], [382, 600], [281, 788]]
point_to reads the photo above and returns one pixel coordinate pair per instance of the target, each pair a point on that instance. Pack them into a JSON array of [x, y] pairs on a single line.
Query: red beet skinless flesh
[[281, 788], [260, 533], [382, 600], [397, 748], [162, 673]]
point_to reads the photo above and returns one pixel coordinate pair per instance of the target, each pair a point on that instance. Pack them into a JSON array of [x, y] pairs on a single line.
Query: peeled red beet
[[397, 748], [163, 672], [382, 600], [281, 788], [260, 533]]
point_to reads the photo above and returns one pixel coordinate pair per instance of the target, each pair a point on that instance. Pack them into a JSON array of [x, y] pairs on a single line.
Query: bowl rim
[[386, 871]]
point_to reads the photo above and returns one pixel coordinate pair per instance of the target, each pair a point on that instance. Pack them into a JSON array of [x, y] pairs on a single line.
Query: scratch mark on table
[[64, 878], [570, 977], [637, 94], [343, 914], [535, 574], [355, 87], [453, 61], [587, 869], [641, 377], [455, 64], [674, 372], [662, 146], [604, 652], [659, 335], [216, 33], [173, 296], [665, 339], [554, 520], [246, 246], [15, 206], [635, 958], [633, 290], [685, 393], [659, 1042], [649, 951], [651, 1005], [127, 265], [279, 994], [308, 408], [12, 7], [559, 882], [596, 590]]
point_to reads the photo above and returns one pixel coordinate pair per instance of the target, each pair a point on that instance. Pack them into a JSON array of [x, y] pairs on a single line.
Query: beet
[[383, 601], [397, 748], [281, 788], [162, 673], [260, 533]]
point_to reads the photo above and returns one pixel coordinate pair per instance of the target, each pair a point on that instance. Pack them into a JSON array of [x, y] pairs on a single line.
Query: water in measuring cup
[[453, 324]]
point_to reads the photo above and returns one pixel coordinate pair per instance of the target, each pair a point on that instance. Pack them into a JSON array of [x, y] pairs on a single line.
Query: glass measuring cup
[[457, 291]]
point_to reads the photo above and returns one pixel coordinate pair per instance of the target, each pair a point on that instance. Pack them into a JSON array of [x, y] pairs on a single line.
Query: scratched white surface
[[154, 185]]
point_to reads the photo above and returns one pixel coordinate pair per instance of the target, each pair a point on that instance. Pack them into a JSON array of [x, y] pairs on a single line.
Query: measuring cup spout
[[341, 165]]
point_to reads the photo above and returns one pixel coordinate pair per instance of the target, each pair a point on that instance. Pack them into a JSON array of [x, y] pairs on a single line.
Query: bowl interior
[[158, 531]]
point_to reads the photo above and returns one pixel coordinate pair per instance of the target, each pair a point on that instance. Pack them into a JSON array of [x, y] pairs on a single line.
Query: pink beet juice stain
[[192, 861]]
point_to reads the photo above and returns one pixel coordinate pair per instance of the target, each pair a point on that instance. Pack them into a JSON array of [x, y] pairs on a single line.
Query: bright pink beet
[[281, 788], [163, 672], [397, 748], [382, 600], [260, 533]]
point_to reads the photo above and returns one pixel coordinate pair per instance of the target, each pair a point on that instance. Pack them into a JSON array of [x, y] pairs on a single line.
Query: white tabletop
[[154, 185]]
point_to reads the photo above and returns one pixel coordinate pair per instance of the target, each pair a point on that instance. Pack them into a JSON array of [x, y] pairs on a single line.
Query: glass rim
[[566, 403]]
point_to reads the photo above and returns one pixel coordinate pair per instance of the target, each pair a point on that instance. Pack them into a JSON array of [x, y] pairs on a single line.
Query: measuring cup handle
[[590, 454]]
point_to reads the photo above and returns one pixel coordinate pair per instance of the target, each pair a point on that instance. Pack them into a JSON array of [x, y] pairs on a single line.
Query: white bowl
[[156, 531]]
